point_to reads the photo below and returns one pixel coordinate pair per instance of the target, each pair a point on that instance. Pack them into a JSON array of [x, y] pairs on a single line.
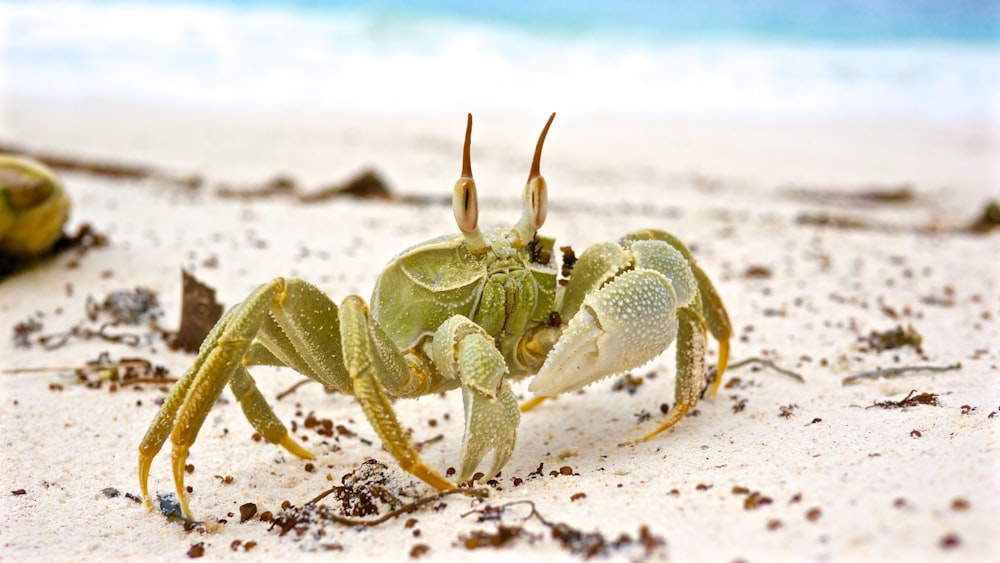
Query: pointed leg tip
[[429, 476], [720, 368], [294, 447], [713, 387], [673, 417], [145, 462], [438, 482], [723, 356], [532, 403], [179, 462]]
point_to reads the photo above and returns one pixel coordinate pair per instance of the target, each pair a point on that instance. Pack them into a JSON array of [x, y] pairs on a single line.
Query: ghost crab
[[469, 310]]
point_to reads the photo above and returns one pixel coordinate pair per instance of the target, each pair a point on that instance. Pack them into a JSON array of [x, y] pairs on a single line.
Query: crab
[[33, 208], [472, 310]]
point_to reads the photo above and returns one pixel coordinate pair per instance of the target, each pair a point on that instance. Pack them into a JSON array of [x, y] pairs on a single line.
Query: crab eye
[[465, 205], [536, 201], [464, 201], [536, 193]]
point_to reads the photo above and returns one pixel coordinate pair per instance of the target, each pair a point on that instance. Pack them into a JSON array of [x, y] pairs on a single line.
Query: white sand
[[886, 483]]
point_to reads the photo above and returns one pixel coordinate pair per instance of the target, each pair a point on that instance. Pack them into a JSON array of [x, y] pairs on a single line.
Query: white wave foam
[[214, 56]]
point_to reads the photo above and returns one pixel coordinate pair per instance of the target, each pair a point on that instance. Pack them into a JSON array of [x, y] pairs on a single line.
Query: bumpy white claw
[[625, 324]]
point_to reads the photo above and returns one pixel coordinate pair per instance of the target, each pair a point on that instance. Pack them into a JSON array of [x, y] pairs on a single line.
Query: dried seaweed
[[988, 220], [911, 400], [577, 542], [105, 168], [129, 307], [105, 369], [892, 339], [628, 383], [864, 195], [120, 308], [367, 496], [367, 184]]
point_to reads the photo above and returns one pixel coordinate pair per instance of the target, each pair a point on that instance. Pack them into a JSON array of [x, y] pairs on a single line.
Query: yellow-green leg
[[373, 364], [691, 344], [300, 326], [163, 423], [717, 321], [532, 403]]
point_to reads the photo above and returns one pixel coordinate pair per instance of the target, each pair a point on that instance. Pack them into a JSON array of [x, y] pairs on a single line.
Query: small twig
[[52, 369], [428, 441], [495, 511], [406, 508], [105, 168], [770, 364], [585, 544], [912, 399], [292, 389], [141, 380], [892, 372], [92, 367], [58, 340]]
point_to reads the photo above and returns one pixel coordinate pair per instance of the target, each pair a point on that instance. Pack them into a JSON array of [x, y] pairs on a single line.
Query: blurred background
[[767, 59]]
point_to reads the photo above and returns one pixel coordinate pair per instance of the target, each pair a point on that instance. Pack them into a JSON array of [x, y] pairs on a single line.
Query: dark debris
[[894, 338], [911, 400], [575, 541]]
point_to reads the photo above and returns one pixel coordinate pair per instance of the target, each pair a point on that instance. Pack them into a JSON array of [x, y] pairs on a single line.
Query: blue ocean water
[[681, 58]]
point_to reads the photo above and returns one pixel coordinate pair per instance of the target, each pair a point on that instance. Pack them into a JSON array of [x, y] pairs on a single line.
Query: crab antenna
[[464, 202], [535, 195]]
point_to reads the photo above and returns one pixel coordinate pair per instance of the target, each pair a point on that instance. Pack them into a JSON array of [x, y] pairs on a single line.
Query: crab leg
[[163, 423], [691, 344], [372, 364], [192, 398], [463, 350], [273, 314], [713, 310]]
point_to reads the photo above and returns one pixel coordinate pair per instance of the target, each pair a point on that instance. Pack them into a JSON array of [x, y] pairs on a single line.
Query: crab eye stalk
[[464, 201], [536, 194]]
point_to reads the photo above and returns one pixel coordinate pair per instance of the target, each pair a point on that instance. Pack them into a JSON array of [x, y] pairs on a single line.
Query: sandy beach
[[823, 237]]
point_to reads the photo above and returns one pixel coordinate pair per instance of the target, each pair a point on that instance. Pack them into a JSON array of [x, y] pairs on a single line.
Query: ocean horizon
[[682, 59]]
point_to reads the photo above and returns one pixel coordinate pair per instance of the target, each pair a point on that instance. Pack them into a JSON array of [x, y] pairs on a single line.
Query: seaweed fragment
[[367, 184], [120, 308], [503, 535], [577, 542], [106, 168], [833, 221], [129, 307], [912, 399], [894, 338], [104, 369], [628, 383], [367, 497], [568, 260], [872, 194], [988, 220]]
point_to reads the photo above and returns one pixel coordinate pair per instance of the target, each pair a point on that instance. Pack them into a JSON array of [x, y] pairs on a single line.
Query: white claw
[[490, 425], [624, 325]]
